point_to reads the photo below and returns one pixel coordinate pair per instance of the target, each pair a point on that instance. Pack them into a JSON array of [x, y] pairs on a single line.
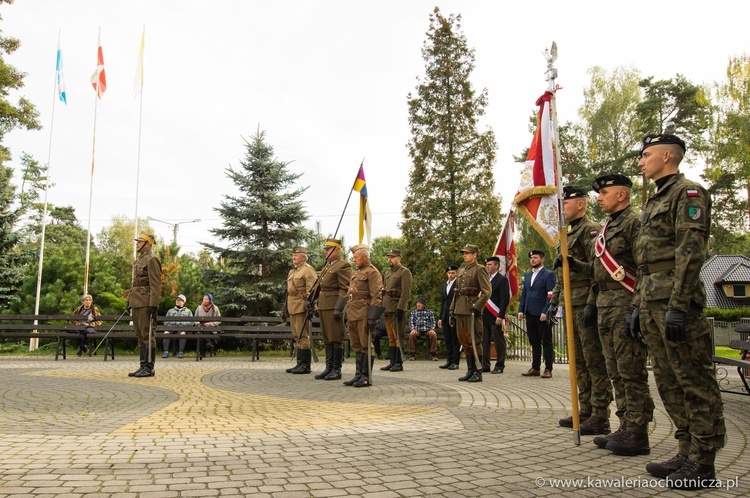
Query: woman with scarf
[[208, 308], [88, 314]]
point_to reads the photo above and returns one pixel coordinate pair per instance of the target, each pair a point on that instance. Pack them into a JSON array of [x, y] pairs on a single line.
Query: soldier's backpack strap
[[618, 273]]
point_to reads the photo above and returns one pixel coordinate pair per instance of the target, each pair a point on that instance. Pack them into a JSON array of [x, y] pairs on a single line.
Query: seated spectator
[[208, 308], [88, 313], [422, 322], [178, 310]]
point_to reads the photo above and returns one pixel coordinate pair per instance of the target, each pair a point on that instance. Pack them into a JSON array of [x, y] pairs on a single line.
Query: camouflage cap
[[661, 139], [470, 248], [611, 181], [573, 192]]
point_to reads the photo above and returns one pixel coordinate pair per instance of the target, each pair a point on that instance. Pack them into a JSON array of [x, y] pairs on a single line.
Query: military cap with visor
[[470, 248], [144, 237], [394, 253], [332, 243]]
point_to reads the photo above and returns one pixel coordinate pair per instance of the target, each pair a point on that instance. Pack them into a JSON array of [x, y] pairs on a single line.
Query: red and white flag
[[537, 195], [98, 79], [506, 251]]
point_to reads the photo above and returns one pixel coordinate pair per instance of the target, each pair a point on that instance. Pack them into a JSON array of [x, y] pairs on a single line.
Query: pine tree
[[450, 200], [261, 225]]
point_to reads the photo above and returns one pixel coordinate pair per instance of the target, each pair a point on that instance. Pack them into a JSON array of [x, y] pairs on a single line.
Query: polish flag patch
[[692, 192], [549, 294]]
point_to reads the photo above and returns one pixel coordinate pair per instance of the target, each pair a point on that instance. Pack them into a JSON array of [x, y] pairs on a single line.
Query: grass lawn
[[727, 352]]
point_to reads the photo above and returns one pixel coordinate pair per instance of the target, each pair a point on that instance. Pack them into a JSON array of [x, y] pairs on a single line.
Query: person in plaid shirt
[[421, 322]]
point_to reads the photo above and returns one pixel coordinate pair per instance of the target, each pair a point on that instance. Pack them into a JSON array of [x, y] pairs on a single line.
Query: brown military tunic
[[471, 291], [334, 283], [298, 284], [396, 292], [365, 286], [144, 294]]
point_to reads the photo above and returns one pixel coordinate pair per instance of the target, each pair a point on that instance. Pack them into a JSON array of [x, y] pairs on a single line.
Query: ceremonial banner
[[59, 78], [99, 79], [138, 84], [506, 251], [537, 195], [365, 216]]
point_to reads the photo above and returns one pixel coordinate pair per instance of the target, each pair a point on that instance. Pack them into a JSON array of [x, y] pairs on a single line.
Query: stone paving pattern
[[232, 427]]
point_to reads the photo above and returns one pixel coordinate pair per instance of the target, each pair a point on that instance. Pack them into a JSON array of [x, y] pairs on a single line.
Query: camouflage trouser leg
[[686, 382], [583, 378], [606, 339], [630, 355], [588, 343]]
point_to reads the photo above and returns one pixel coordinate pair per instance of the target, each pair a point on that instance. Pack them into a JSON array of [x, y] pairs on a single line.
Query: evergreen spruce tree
[[450, 200], [261, 226]]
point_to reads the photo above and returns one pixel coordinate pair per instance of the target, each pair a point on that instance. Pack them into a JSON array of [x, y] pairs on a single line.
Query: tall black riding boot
[[364, 381], [338, 357], [471, 366], [144, 360], [329, 364], [304, 365], [289, 370], [148, 369], [392, 355], [477, 375], [359, 362], [398, 366]]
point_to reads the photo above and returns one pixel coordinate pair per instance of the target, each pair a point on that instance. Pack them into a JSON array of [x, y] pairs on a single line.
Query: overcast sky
[[326, 80]]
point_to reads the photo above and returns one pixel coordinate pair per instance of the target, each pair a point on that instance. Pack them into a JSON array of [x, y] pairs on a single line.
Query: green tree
[[261, 225], [451, 198], [11, 258]]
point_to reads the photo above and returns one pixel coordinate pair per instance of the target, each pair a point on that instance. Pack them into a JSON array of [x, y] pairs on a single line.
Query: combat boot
[[635, 444], [470, 365], [601, 441], [338, 357], [329, 364], [144, 359], [148, 369], [358, 374], [663, 469], [398, 366], [304, 356], [595, 425], [568, 421], [477, 375], [693, 475], [393, 353]]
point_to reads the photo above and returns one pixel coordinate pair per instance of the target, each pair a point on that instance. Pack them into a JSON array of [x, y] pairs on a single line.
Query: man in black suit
[[449, 332], [493, 316], [536, 295]]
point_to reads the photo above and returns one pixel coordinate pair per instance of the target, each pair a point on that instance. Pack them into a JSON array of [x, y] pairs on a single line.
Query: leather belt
[[297, 293], [392, 293], [649, 268], [329, 289], [579, 284], [468, 291], [353, 297]]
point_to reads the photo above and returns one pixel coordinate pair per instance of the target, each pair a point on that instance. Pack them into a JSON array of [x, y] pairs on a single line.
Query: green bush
[[728, 315]]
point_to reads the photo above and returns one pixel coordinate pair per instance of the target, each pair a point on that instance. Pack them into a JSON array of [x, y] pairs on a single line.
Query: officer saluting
[[143, 300]]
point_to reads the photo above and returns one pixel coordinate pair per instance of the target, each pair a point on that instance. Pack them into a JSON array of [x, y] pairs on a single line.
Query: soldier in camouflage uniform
[[594, 386], [334, 282], [668, 310], [614, 277], [299, 282], [396, 292], [470, 294], [143, 301], [363, 311]]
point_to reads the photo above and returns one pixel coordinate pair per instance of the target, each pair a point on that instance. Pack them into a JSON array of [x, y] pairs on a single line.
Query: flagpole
[[34, 343], [91, 179], [139, 84], [551, 74]]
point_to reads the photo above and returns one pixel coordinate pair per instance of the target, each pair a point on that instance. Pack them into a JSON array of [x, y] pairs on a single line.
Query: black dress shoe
[[497, 370], [446, 364], [486, 369], [453, 366]]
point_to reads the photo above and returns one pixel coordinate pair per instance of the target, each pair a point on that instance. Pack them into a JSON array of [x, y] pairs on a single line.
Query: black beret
[[452, 267], [573, 192], [611, 181], [537, 252], [492, 258], [664, 138]]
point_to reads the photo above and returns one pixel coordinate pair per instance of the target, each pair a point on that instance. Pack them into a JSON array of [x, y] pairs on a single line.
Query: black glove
[[309, 306], [372, 323], [551, 311], [633, 322], [476, 312], [674, 323], [557, 263], [127, 307], [153, 311], [399, 315], [589, 315], [337, 315]]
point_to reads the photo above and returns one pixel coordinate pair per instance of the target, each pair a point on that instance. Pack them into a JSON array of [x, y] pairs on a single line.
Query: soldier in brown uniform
[[470, 294], [363, 311], [614, 277], [594, 386], [396, 291], [299, 282], [668, 309], [334, 282], [143, 301]]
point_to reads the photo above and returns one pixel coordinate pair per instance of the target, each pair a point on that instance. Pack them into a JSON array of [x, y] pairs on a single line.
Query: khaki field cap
[[358, 247], [299, 250], [470, 248], [395, 253], [145, 238], [332, 243]]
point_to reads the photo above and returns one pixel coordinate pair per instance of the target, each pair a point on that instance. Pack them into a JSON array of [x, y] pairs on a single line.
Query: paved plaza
[[227, 426]]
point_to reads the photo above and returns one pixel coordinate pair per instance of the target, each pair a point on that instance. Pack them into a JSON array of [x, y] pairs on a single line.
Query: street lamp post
[[175, 226]]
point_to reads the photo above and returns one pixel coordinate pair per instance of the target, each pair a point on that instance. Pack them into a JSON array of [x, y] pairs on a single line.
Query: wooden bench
[[742, 345], [60, 329]]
